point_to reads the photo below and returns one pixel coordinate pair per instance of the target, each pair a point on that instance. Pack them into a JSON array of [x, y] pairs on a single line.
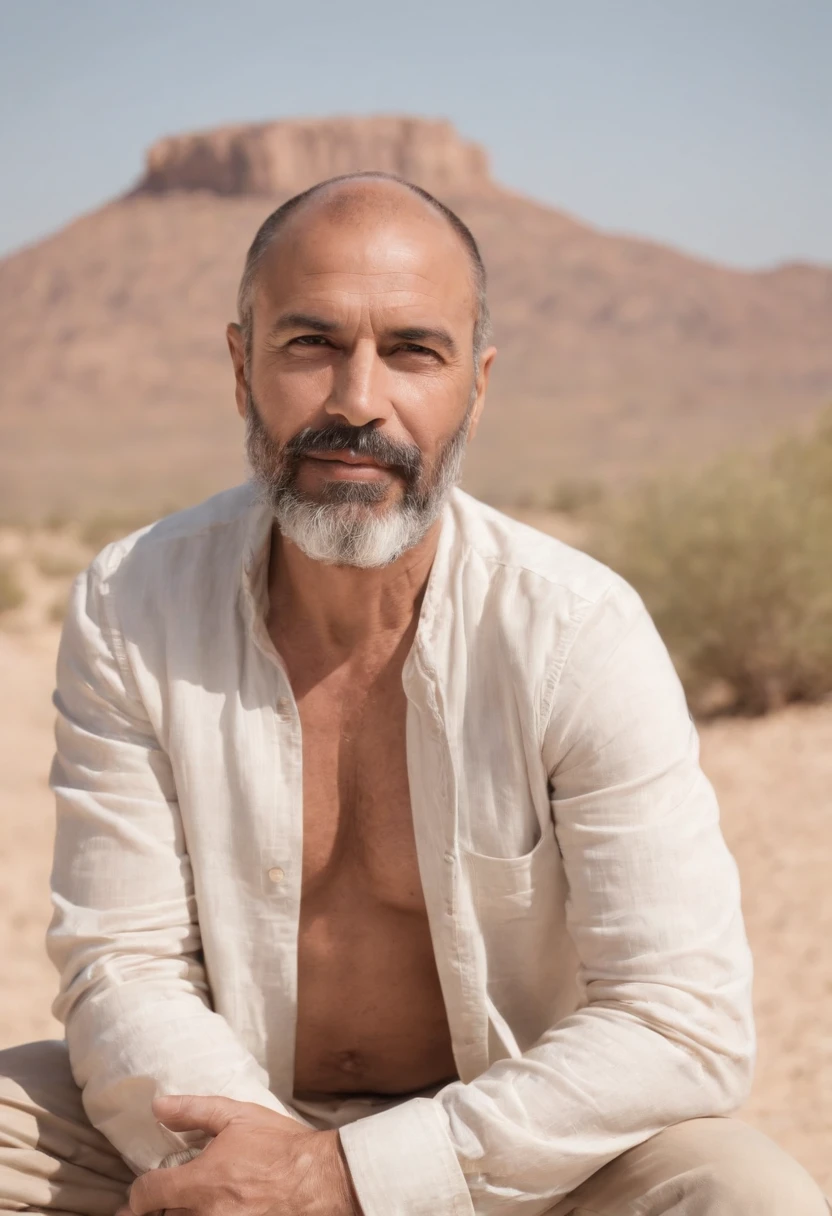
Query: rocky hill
[[282, 158], [617, 356]]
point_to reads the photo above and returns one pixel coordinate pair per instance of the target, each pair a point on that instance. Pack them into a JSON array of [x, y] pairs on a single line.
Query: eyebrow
[[409, 333], [420, 333], [303, 320]]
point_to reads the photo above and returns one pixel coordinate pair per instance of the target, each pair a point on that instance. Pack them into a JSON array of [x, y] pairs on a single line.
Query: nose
[[358, 393]]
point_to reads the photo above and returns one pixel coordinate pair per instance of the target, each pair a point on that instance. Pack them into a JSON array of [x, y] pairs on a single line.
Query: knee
[[736, 1193], [763, 1180], [33, 1065]]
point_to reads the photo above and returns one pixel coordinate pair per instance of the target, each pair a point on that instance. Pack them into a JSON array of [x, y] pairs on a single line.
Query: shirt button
[[276, 874]]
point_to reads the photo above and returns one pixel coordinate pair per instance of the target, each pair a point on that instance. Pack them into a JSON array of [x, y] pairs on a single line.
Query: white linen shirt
[[583, 906]]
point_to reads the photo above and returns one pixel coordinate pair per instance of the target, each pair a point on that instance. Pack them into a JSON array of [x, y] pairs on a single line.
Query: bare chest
[[371, 1014], [357, 818]]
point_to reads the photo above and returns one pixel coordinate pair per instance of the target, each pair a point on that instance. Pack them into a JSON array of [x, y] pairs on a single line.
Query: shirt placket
[[280, 860], [433, 791]]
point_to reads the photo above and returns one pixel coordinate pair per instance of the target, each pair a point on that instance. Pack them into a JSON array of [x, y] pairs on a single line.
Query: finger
[[191, 1112], [158, 1190]]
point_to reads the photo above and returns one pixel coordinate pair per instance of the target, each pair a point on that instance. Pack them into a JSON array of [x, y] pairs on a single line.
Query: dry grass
[[106, 526], [12, 594], [41, 565], [575, 495], [734, 565], [57, 565]]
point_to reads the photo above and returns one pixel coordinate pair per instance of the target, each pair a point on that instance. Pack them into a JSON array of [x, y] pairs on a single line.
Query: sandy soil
[[774, 778]]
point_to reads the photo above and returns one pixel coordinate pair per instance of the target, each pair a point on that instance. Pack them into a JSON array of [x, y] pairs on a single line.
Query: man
[[386, 879]]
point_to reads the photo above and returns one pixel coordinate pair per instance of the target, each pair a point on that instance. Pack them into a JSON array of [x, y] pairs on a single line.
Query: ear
[[237, 350], [483, 372]]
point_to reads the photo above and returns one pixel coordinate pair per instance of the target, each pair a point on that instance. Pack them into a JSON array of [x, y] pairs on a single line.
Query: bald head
[[353, 199]]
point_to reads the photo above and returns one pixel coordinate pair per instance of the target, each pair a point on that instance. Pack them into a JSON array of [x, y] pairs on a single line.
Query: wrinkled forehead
[[390, 253]]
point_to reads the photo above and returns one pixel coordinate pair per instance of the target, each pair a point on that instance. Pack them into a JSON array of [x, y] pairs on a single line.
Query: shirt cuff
[[180, 1158], [402, 1162]]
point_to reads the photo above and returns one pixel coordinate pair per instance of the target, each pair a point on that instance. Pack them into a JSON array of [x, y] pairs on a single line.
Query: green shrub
[[735, 565], [11, 592]]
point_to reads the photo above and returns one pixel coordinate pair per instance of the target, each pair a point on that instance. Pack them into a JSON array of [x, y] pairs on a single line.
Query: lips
[[347, 457]]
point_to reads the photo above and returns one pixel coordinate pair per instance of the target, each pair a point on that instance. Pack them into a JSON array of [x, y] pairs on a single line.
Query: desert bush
[[573, 495], [106, 526], [735, 565], [58, 565], [57, 609], [57, 521], [11, 591]]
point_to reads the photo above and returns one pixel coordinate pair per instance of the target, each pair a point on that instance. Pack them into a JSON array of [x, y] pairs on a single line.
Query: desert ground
[[773, 776]]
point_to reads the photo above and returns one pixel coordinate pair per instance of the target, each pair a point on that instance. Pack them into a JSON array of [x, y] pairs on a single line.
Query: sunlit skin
[[364, 314], [376, 276], [369, 322]]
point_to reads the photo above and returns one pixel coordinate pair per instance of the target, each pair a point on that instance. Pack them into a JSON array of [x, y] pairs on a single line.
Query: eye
[[413, 348], [310, 340]]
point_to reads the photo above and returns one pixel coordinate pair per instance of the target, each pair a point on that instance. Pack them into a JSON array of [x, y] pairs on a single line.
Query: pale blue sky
[[703, 123]]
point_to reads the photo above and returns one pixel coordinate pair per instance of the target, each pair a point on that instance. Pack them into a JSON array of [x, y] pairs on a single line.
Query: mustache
[[362, 441]]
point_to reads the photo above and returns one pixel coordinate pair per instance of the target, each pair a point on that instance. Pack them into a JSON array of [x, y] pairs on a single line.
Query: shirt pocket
[[530, 963], [509, 887]]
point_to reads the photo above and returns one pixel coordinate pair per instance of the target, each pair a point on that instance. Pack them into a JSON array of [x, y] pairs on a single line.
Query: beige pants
[[52, 1160]]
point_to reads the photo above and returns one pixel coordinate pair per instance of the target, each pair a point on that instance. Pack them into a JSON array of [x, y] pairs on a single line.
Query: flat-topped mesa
[[278, 158]]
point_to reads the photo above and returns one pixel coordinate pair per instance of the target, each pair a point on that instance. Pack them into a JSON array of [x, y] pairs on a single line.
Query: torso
[[371, 1017]]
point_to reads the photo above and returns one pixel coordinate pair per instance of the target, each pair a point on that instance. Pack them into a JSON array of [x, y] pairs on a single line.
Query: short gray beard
[[357, 530]]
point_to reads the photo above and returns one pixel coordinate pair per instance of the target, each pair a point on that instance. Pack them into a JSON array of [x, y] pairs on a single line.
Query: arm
[[666, 1033], [124, 934]]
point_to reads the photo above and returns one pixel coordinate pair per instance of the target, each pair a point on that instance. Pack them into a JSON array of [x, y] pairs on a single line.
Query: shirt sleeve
[[666, 1031], [124, 935]]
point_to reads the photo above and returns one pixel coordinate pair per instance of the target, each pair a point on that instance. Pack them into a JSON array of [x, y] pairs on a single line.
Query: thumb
[[191, 1112]]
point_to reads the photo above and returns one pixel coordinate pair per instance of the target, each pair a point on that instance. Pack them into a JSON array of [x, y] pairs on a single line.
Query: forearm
[[530, 1130], [129, 1043], [135, 1002], [535, 1128], [125, 933]]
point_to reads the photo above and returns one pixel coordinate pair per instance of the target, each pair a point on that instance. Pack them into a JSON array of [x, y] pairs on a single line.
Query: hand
[[258, 1164]]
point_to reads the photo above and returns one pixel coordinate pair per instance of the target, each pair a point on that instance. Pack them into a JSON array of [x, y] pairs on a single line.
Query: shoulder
[[547, 568], [524, 607], [176, 541]]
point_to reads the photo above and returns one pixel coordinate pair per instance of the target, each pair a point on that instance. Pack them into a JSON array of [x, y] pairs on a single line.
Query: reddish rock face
[[287, 157], [616, 356]]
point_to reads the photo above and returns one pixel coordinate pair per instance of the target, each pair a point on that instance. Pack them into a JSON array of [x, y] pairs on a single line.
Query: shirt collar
[[255, 572], [255, 564]]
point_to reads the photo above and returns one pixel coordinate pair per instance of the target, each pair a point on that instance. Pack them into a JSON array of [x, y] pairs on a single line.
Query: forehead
[[378, 250]]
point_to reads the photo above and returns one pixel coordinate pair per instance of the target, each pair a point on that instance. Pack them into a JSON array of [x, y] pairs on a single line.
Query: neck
[[345, 607]]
